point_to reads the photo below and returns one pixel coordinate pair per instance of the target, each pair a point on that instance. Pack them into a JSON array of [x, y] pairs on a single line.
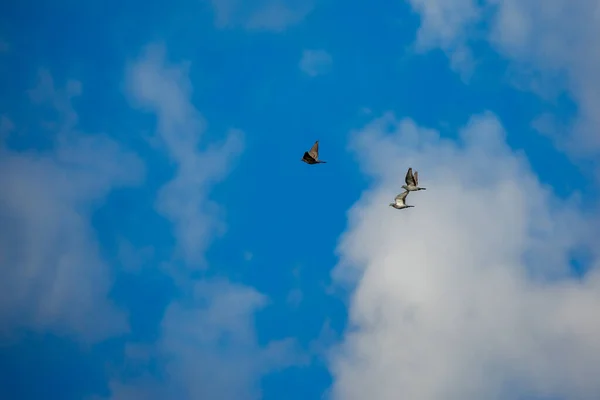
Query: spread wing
[[314, 151], [307, 157], [410, 179], [416, 175], [400, 198]]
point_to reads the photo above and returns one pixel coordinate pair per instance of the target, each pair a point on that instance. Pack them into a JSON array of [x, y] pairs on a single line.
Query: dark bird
[[412, 181], [312, 156]]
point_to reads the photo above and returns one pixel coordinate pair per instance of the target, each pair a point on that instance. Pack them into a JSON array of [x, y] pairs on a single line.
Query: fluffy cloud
[[165, 89], [208, 347], [261, 15], [315, 62], [552, 47], [469, 294], [216, 354], [446, 24], [53, 276]]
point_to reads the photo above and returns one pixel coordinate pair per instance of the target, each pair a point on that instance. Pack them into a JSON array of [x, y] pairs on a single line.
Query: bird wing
[[401, 197], [314, 151], [416, 175], [409, 179], [308, 157]]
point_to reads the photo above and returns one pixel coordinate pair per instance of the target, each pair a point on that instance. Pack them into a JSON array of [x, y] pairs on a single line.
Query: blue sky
[[162, 239]]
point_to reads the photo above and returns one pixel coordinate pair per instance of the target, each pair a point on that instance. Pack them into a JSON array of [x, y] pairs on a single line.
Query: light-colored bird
[[412, 181], [312, 156], [399, 201]]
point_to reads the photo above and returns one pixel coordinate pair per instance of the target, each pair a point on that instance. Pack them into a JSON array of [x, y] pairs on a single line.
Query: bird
[[399, 201], [312, 156], [412, 181]]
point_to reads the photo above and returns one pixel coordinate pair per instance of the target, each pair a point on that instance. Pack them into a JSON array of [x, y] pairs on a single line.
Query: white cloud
[[553, 46], [53, 277], [165, 89], [261, 15], [558, 38], [209, 348], [208, 344], [315, 62], [447, 24], [444, 23], [467, 295], [214, 349]]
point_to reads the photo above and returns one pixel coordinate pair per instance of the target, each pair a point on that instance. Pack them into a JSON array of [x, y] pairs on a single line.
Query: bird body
[[412, 181], [400, 201], [312, 156]]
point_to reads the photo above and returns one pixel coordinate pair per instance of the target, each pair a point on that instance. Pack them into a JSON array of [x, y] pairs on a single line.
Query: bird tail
[[422, 188], [321, 162]]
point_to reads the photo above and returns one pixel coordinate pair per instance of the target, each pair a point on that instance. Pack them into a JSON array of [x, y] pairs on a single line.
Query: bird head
[[405, 187]]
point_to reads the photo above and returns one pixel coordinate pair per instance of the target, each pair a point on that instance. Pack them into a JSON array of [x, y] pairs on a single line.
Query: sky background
[[160, 238]]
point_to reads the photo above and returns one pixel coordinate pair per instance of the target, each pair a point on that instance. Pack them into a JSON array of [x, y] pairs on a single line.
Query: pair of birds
[[411, 185], [411, 180]]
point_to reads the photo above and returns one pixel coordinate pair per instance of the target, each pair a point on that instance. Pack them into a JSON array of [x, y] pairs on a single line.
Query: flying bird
[[399, 201], [312, 156], [412, 181]]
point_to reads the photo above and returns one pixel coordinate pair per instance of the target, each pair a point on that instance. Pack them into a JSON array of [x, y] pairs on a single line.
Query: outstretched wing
[[410, 179], [416, 175], [314, 151], [307, 158], [401, 197]]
